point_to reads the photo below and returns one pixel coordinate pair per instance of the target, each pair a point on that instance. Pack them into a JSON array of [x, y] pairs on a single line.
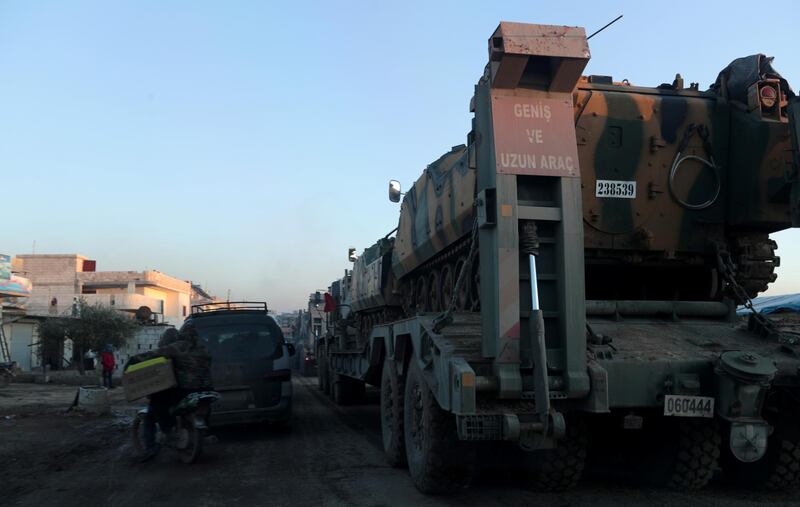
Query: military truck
[[576, 266]]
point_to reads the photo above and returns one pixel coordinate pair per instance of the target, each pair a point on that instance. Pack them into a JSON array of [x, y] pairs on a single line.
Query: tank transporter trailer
[[576, 267]]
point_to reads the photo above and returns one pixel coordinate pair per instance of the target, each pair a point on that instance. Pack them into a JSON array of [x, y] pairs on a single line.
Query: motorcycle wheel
[[137, 434], [193, 448]]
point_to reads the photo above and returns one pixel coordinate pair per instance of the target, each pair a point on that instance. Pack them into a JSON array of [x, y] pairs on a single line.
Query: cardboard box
[[148, 377]]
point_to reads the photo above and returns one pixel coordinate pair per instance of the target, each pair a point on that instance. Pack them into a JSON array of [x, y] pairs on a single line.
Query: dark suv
[[251, 362]]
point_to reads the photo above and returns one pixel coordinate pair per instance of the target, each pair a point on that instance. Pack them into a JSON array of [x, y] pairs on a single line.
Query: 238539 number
[[616, 189]]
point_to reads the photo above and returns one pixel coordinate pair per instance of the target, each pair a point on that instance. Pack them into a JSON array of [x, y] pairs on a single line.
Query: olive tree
[[93, 327]]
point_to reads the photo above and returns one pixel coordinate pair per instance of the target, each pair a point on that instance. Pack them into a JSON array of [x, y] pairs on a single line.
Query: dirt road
[[332, 456]]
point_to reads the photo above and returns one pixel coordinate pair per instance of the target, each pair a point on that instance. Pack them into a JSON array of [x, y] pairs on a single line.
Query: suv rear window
[[240, 337]]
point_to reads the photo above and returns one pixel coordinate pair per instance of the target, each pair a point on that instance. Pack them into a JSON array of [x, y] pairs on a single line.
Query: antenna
[[609, 24]]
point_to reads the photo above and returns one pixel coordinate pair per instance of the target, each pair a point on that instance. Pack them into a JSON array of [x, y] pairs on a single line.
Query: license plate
[[688, 406], [615, 189]]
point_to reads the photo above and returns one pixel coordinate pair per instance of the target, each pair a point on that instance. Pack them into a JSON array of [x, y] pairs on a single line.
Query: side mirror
[[351, 254], [291, 349], [394, 191]]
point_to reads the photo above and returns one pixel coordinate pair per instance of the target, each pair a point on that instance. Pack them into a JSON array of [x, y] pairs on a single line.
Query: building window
[[184, 310]]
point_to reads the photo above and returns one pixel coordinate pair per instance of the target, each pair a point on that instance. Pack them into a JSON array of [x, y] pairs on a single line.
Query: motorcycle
[[190, 428]]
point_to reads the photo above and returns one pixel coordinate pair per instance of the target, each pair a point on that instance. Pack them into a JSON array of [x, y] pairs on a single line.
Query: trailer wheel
[[331, 379], [561, 468], [320, 372], [339, 390], [778, 470], [324, 378], [437, 460], [392, 415], [697, 454]]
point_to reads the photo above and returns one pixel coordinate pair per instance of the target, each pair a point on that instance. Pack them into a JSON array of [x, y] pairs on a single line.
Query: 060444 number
[[688, 406]]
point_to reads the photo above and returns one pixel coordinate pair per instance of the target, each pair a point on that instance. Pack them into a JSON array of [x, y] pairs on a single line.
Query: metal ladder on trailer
[[4, 349]]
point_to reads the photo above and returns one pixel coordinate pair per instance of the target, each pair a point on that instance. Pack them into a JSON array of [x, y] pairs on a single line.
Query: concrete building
[[311, 323], [17, 330], [200, 296], [60, 280]]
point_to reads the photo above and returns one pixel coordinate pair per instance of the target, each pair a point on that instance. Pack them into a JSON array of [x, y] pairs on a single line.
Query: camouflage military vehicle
[[575, 266]]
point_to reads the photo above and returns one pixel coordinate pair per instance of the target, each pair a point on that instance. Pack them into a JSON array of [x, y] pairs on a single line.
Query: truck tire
[[697, 454], [339, 390], [560, 469], [322, 374], [320, 378], [392, 415], [331, 376], [778, 470], [437, 460]]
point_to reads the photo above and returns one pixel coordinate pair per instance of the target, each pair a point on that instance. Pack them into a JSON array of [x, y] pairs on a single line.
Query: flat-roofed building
[[60, 280]]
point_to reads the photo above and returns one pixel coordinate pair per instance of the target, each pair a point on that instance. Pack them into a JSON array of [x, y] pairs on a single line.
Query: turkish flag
[[330, 303]]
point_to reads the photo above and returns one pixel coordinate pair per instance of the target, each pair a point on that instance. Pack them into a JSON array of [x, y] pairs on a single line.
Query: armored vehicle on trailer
[[577, 265]]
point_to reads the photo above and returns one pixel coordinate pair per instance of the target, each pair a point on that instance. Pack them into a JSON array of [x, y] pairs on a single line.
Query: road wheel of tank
[[421, 294], [778, 470], [475, 287], [697, 454], [560, 469], [462, 298], [437, 460], [392, 415], [434, 292], [446, 284]]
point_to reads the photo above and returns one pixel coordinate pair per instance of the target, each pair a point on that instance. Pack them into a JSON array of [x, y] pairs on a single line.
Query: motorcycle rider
[[192, 364]]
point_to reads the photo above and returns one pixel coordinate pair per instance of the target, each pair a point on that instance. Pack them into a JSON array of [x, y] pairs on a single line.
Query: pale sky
[[246, 145]]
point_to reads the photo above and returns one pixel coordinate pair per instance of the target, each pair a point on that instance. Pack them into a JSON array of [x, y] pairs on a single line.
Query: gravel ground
[[332, 456]]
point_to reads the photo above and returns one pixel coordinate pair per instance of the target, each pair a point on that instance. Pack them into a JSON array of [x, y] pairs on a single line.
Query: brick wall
[[145, 339]]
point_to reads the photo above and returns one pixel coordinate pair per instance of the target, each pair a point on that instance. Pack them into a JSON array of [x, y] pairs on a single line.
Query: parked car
[[251, 362]]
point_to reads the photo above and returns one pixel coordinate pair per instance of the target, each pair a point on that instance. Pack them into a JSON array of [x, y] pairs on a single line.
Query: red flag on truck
[[330, 303]]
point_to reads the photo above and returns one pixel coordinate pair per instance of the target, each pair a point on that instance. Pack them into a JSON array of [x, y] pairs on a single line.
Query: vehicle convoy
[[251, 362], [575, 268]]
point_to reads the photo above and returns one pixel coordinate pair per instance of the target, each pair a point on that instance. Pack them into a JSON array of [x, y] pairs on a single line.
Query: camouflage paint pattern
[[760, 161], [435, 212], [372, 284], [794, 125], [633, 134]]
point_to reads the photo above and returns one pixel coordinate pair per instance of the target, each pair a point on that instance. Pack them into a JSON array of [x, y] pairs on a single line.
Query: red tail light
[[769, 96], [280, 375]]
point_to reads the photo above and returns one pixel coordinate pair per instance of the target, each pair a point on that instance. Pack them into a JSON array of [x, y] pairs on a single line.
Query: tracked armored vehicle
[[576, 266]]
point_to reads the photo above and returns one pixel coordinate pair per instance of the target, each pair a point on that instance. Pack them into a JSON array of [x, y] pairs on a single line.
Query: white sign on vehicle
[[688, 406], [616, 189]]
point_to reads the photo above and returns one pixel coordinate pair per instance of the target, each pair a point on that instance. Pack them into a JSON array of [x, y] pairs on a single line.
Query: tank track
[[753, 254], [755, 259], [430, 273]]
